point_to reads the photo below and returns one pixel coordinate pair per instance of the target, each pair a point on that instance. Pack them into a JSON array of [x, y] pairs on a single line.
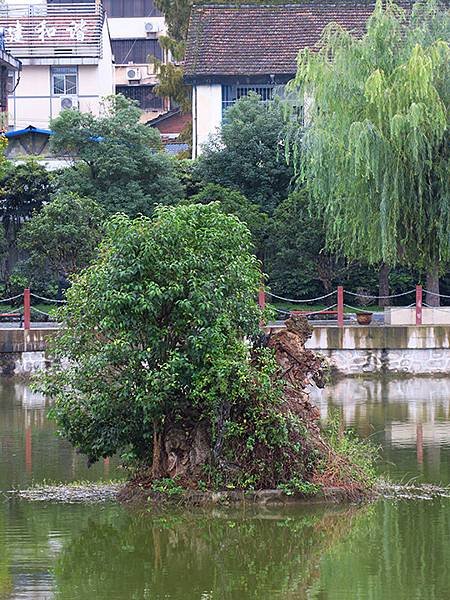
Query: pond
[[390, 549]]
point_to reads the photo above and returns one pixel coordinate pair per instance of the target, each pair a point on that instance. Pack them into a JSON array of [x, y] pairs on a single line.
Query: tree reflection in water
[[208, 555]]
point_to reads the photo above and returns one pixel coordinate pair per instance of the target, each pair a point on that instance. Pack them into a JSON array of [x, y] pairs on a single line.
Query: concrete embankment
[[352, 350], [23, 352], [389, 349]]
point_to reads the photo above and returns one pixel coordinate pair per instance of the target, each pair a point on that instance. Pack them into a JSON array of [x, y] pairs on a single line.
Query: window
[[64, 80], [131, 8], [144, 94], [135, 51], [232, 93]]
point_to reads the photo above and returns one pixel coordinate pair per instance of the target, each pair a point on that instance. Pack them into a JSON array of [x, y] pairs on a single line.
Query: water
[[398, 550]]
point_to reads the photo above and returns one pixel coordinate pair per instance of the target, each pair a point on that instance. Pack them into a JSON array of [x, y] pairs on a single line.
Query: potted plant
[[364, 298], [364, 318]]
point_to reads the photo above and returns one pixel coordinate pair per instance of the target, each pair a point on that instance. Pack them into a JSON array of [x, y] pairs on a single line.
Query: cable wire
[[379, 297], [47, 299], [12, 298], [305, 301], [435, 294]]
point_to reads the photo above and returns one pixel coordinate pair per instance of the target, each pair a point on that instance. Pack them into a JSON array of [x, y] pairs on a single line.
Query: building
[[136, 27], [9, 72], [66, 57], [232, 50]]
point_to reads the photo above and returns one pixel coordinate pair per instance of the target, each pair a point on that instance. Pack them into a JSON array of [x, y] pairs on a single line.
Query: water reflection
[[114, 555], [30, 451], [409, 417], [389, 550]]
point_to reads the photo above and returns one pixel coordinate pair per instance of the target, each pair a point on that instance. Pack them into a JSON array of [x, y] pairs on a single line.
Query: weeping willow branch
[[374, 151]]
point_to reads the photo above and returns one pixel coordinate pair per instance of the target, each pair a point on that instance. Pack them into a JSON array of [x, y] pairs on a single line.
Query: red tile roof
[[253, 40]]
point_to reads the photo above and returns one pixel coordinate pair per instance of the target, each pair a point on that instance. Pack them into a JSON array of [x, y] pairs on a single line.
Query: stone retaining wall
[[23, 352], [414, 350], [391, 349]]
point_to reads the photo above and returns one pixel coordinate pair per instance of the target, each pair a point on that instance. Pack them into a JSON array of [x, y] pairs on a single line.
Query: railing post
[[340, 306], [418, 305], [26, 309], [262, 303], [262, 298]]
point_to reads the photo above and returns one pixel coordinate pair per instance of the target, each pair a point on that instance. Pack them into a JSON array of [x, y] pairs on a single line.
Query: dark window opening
[[131, 8], [232, 93], [135, 51], [144, 94]]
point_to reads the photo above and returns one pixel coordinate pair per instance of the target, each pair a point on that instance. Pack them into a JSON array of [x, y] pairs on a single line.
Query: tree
[[299, 265], [64, 235], [24, 189], [119, 162], [170, 75], [154, 331], [161, 362], [234, 203], [374, 151], [248, 153]]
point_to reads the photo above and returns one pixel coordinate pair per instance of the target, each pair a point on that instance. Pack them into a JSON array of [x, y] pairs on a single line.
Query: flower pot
[[364, 318]]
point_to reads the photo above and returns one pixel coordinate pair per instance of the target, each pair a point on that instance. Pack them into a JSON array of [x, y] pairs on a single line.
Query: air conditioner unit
[[151, 27], [68, 102], [133, 74]]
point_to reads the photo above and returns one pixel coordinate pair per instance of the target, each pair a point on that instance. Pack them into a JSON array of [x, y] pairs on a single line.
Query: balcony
[[53, 31]]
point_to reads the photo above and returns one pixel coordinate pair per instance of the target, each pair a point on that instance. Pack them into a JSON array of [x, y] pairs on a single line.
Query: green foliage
[[247, 154], [64, 235], [360, 453], [170, 75], [24, 188], [167, 487], [298, 263], [374, 151], [120, 162], [154, 329], [176, 14], [170, 84], [298, 486], [234, 203]]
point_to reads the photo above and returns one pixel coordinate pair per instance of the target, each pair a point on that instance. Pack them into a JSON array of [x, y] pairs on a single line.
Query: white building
[[234, 49], [136, 27], [66, 56]]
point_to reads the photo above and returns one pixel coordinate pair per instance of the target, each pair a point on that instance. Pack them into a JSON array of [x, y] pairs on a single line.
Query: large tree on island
[[375, 145], [159, 363]]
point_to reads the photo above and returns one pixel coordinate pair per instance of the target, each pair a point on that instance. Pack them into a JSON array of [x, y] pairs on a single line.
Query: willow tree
[[373, 151]]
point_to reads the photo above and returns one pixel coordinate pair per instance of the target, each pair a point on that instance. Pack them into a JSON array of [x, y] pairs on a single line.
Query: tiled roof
[[262, 39]]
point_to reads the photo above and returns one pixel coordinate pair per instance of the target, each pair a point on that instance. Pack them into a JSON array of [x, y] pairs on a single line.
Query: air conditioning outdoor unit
[[151, 27], [133, 74], [68, 102]]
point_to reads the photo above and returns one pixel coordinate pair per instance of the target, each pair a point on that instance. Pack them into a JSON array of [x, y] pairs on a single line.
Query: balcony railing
[[52, 30]]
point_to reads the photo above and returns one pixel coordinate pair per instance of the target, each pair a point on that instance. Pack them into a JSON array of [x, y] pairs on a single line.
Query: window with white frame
[[64, 81], [232, 93]]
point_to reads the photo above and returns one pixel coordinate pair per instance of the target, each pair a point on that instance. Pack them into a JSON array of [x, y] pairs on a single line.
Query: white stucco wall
[[122, 28], [207, 114], [33, 102]]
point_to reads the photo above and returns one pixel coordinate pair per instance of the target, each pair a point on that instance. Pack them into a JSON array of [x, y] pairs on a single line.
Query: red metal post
[[340, 306], [262, 299], [418, 305], [26, 309]]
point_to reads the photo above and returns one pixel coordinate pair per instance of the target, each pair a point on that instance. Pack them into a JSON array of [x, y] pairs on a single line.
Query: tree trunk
[[383, 285], [432, 285], [157, 470]]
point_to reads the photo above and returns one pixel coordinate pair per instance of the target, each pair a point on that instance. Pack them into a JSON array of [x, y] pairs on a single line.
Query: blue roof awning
[[29, 129]]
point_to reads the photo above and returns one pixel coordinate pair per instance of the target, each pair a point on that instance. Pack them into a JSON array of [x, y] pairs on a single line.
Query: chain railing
[[338, 309], [25, 310]]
